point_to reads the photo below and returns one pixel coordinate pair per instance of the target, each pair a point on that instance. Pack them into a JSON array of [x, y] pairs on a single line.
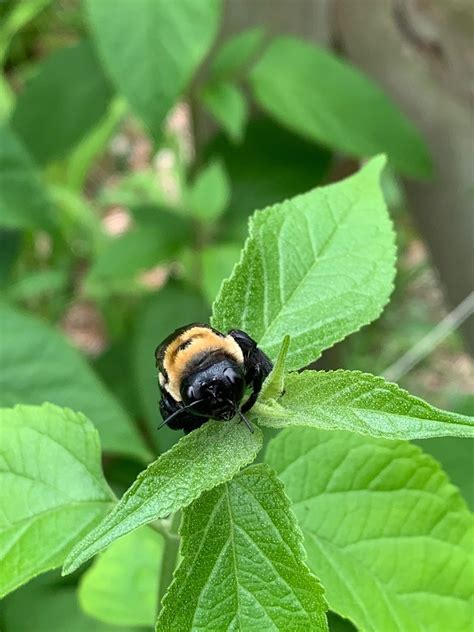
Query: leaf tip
[[376, 164]]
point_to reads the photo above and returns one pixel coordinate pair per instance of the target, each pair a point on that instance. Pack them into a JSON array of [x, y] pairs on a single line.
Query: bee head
[[220, 387]]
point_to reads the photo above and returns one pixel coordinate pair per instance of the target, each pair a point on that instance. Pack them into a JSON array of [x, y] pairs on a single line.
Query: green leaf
[[274, 385], [227, 104], [326, 100], [389, 536], [243, 565], [24, 202], [151, 49], [42, 366], [121, 587], [359, 402], [62, 103], [49, 608], [319, 266], [122, 259], [198, 462], [209, 193], [236, 54], [52, 489], [173, 306], [270, 165], [217, 263]]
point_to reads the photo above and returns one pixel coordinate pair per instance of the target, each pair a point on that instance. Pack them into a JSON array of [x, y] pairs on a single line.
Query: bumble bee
[[204, 374]]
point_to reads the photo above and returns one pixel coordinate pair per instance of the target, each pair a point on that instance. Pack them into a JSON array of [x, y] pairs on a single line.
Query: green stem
[[170, 557]]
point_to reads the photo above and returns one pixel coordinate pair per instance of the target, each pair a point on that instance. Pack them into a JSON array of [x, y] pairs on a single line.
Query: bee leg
[[256, 364]]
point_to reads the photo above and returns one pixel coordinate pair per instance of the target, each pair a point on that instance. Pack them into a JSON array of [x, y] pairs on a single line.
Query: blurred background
[[136, 138]]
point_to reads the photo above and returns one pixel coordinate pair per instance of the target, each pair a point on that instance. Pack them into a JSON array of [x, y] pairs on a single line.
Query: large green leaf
[[24, 202], [173, 306], [389, 536], [52, 490], [318, 266], [41, 366], [324, 99], [198, 462], [243, 563], [121, 587], [62, 103], [270, 165], [151, 49], [360, 402]]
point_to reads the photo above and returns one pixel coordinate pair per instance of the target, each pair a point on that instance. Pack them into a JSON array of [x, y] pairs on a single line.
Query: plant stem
[[163, 528], [432, 339], [170, 556]]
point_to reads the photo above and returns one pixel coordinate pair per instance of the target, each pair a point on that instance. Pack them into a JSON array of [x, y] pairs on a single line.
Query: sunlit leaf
[[317, 267], [199, 461], [242, 563], [360, 402], [390, 538], [52, 490]]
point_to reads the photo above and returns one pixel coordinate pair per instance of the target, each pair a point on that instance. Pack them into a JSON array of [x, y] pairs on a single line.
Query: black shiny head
[[218, 388]]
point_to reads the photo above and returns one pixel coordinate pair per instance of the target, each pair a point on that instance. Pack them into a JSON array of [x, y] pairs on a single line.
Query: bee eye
[[190, 394], [232, 375]]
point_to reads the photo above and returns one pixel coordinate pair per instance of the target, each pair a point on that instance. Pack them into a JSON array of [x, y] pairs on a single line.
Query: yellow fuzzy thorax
[[185, 347]]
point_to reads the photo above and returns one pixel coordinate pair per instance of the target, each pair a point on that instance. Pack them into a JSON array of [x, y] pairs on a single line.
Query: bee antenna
[[179, 411], [245, 420]]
